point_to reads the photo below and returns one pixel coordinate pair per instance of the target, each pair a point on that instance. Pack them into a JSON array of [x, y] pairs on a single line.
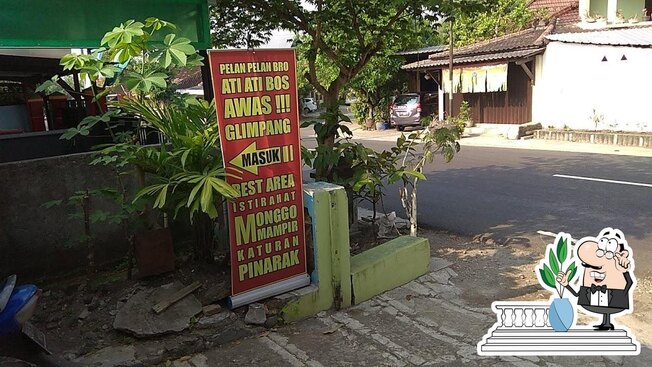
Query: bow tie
[[601, 288]]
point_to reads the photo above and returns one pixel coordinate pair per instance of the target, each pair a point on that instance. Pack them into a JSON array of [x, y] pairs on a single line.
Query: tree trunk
[[90, 246], [413, 209], [204, 229], [371, 112], [374, 228], [331, 102]]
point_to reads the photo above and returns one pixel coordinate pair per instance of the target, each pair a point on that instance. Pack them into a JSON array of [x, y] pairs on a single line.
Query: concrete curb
[[388, 266], [336, 273]]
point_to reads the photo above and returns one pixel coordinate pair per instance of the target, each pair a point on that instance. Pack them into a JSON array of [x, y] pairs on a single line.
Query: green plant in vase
[[562, 312]]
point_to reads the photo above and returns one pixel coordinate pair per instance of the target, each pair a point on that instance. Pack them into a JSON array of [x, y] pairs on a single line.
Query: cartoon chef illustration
[[608, 275]]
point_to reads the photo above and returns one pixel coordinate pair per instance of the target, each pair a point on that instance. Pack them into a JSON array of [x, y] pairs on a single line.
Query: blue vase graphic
[[561, 314]]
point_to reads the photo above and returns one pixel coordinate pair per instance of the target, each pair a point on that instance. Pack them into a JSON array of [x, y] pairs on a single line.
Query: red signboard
[[257, 109]]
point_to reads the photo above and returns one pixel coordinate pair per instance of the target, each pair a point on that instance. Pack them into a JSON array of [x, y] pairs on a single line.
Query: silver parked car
[[406, 111]]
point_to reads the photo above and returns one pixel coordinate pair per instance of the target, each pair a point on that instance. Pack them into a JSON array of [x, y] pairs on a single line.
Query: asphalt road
[[514, 193]]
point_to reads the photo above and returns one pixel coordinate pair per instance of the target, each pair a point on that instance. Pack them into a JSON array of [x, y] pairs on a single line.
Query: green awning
[[83, 23]]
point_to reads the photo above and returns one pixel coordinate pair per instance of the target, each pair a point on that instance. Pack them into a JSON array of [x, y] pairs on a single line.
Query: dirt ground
[[77, 315]]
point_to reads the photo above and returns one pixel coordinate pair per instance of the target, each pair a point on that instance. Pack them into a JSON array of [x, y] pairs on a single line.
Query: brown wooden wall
[[511, 107]]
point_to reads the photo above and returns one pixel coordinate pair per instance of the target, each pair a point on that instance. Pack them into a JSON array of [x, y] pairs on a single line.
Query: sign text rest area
[[257, 108]]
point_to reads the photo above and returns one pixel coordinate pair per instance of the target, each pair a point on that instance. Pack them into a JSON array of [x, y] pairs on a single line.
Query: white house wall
[[572, 81]]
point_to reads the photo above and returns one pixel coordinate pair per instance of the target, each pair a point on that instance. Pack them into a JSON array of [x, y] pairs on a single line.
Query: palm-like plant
[[185, 172], [187, 169]]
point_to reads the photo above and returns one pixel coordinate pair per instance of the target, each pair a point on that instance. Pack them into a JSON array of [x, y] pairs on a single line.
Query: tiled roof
[[527, 38], [425, 50], [187, 78], [473, 59], [565, 11], [515, 45], [632, 36]]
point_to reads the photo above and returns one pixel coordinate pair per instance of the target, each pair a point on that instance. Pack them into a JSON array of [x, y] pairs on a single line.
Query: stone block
[[256, 314], [210, 310]]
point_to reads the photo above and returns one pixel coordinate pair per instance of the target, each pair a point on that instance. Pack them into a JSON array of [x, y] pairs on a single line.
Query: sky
[[281, 38]]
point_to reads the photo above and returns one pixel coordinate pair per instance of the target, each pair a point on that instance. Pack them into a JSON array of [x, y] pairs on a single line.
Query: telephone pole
[[450, 69]]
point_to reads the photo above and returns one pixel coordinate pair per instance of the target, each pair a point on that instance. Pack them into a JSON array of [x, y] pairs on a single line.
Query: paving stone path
[[423, 323]]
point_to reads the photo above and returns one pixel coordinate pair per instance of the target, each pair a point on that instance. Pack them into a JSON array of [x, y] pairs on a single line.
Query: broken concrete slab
[[120, 356], [437, 263], [216, 319], [256, 314], [137, 318], [198, 360], [442, 276], [13, 362]]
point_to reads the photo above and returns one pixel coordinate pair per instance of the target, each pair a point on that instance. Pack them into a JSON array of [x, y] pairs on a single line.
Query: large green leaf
[[552, 260], [74, 131], [123, 52], [547, 277], [74, 61], [161, 198], [98, 216], [160, 190], [416, 174], [572, 269], [175, 50], [193, 194], [97, 69], [155, 24], [50, 86], [51, 203], [145, 83], [206, 195], [562, 249], [124, 33]]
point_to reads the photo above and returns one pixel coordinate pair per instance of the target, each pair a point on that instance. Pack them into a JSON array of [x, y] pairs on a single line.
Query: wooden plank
[[174, 298], [528, 72]]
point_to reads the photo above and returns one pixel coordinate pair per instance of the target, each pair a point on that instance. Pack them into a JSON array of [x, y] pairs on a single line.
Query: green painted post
[[327, 206], [340, 249]]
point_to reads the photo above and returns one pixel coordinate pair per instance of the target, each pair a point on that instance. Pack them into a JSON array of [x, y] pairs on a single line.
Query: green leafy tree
[[343, 34], [504, 17], [379, 80], [84, 201], [238, 27], [336, 40], [416, 151]]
